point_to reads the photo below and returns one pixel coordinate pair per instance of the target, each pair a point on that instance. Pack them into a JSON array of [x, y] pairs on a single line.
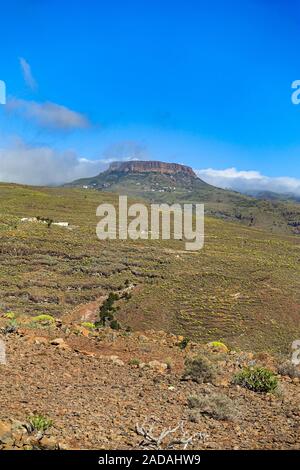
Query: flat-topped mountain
[[171, 183], [153, 176], [150, 167]]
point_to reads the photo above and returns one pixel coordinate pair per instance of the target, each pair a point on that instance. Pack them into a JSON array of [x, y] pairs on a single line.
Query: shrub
[[39, 423], [127, 296], [115, 325], [183, 344], [217, 406], [107, 309], [170, 363], [289, 369], [218, 346], [257, 379], [199, 369], [134, 362], [46, 220], [10, 316], [11, 327], [107, 312], [43, 318], [89, 325]]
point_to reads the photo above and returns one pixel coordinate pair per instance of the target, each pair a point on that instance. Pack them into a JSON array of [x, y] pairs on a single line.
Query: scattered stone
[[40, 340], [81, 330], [158, 366], [143, 338], [115, 360], [49, 443], [57, 341], [5, 432]]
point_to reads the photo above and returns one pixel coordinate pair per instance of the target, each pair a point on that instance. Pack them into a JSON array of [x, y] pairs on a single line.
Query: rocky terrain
[[106, 389], [160, 365]]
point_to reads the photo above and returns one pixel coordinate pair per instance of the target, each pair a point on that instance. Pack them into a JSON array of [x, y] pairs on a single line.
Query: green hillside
[[277, 216], [243, 287]]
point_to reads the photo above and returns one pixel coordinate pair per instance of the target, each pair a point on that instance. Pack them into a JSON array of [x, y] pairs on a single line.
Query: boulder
[[5, 432], [158, 366]]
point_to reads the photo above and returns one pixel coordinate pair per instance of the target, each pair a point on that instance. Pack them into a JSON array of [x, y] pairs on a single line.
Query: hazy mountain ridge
[[273, 196]]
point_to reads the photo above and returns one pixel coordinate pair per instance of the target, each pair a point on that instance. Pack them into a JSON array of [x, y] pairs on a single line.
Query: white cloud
[[27, 74], [49, 115], [244, 181], [42, 165]]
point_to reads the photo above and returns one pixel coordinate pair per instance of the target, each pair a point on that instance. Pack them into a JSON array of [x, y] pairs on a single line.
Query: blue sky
[[207, 84]]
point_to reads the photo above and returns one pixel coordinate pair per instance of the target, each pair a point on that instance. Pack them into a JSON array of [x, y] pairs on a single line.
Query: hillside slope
[[173, 183], [243, 287]]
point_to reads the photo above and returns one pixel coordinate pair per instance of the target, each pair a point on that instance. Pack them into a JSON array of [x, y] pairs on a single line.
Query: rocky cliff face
[[150, 167]]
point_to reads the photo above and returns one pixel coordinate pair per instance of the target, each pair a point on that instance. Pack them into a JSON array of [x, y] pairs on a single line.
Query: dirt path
[[89, 312], [85, 312]]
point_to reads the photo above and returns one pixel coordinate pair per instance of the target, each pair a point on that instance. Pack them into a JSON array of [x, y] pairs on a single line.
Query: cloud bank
[[248, 181], [42, 165], [27, 74], [48, 115]]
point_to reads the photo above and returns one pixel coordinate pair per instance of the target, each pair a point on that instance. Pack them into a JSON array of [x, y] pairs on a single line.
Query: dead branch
[[161, 441]]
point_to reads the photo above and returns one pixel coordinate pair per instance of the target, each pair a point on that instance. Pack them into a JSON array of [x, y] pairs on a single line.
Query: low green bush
[[43, 318], [218, 346], [39, 423], [10, 316], [257, 379], [89, 325], [134, 362]]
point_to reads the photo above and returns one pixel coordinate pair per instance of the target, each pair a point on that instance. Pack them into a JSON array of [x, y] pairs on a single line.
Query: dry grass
[[243, 288]]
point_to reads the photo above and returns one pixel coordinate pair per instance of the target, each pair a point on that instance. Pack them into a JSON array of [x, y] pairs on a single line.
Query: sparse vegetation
[[183, 344], [10, 316], [215, 405], [134, 362], [46, 220], [127, 296], [42, 273], [11, 327], [114, 324], [88, 325], [280, 216], [107, 312], [170, 363], [257, 379], [43, 319], [199, 369], [39, 423], [107, 309], [218, 346]]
